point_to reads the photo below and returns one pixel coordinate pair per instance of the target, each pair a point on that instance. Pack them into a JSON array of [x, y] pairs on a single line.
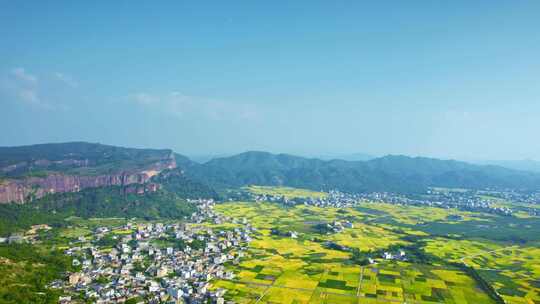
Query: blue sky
[[452, 79]]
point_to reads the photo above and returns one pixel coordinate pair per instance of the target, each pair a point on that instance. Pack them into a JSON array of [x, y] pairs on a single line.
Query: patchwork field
[[353, 284], [513, 271], [282, 269], [452, 256]]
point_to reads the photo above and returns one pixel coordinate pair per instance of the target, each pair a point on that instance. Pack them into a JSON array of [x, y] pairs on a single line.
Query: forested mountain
[[29, 172], [111, 201], [52, 168], [349, 157], [73, 166], [523, 165], [92, 180], [390, 173], [77, 158], [174, 181], [451, 173]]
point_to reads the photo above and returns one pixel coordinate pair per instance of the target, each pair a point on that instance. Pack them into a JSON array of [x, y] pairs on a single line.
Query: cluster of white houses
[[178, 271], [333, 199], [338, 226], [461, 200], [469, 200]]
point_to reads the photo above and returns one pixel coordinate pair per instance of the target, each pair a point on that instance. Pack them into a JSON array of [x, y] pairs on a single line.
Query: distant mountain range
[[34, 171], [523, 165], [394, 173], [350, 157], [201, 159]]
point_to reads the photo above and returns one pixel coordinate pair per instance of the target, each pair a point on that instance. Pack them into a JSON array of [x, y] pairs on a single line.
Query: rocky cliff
[[23, 189]]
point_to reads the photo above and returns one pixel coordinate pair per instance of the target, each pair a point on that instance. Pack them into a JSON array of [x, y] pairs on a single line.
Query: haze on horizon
[[448, 79]]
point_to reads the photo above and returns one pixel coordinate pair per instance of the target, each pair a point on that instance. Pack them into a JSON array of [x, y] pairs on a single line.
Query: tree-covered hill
[[76, 158], [400, 174], [163, 194], [189, 179], [174, 181], [96, 202]]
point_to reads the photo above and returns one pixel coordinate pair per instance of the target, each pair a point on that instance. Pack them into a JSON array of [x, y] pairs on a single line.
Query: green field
[[281, 269], [26, 270], [286, 192], [514, 272]]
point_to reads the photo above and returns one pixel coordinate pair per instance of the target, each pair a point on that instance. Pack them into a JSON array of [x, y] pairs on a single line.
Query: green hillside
[[75, 158], [400, 174]]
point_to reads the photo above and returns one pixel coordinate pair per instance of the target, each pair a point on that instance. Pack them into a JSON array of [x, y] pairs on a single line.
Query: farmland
[[305, 269], [287, 192], [514, 271]]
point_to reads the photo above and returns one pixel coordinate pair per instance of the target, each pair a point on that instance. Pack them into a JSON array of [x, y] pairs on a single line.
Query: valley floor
[[308, 266], [365, 252]]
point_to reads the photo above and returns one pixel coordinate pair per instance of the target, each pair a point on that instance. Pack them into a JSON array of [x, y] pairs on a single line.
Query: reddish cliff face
[[19, 190]]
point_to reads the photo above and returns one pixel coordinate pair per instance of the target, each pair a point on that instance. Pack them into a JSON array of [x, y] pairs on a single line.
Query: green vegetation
[[108, 241], [176, 182], [304, 270], [26, 271], [398, 174], [455, 266], [483, 283], [16, 217], [513, 271], [286, 192], [64, 157], [90, 203], [450, 256]]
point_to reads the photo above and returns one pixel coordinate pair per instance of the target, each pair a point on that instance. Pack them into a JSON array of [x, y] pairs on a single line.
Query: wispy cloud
[[22, 86], [182, 105], [29, 96], [67, 79], [22, 75], [144, 98]]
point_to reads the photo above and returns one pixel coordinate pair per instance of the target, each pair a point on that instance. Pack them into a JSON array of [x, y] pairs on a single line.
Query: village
[[136, 268], [461, 200], [334, 199], [180, 261]]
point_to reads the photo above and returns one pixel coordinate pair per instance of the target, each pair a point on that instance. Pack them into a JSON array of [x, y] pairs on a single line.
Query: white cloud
[[43, 93], [144, 98], [24, 87], [66, 79], [21, 74]]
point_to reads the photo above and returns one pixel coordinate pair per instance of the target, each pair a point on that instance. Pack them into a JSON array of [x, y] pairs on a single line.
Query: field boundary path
[[360, 281], [264, 293]]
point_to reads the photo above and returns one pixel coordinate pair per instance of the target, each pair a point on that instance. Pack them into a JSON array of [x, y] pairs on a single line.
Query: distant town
[[465, 200]]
